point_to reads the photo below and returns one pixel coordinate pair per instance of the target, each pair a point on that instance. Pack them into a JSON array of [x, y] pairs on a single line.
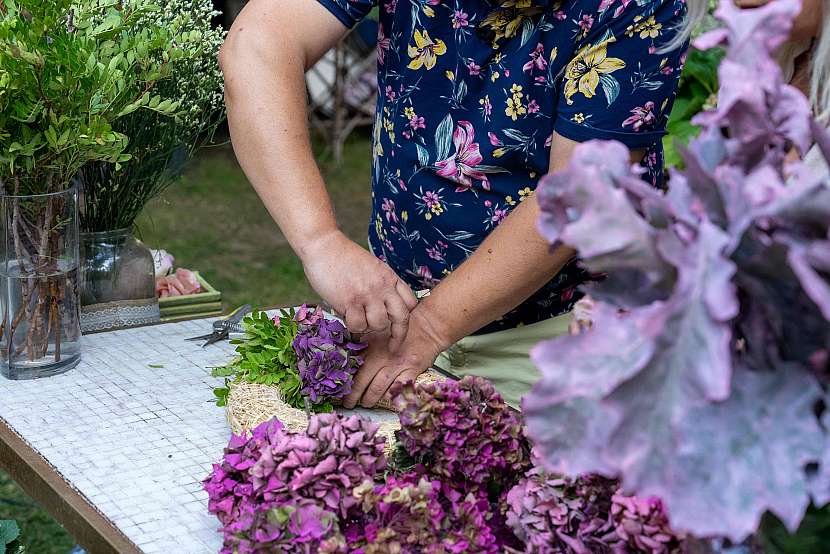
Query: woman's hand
[[383, 366], [364, 290]]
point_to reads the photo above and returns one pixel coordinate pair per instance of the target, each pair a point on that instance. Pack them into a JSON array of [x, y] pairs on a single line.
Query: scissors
[[222, 328]]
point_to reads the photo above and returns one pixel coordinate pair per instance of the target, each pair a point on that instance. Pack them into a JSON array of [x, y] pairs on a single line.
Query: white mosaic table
[[132, 431]]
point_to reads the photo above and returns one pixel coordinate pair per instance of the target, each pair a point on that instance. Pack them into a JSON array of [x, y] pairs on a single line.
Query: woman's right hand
[[364, 290]]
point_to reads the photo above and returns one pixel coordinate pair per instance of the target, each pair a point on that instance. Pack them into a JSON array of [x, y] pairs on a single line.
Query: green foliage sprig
[[266, 356], [160, 145], [697, 91], [69, 69]]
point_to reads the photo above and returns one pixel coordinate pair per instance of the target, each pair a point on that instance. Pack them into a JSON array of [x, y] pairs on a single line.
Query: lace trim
[[124, 313]]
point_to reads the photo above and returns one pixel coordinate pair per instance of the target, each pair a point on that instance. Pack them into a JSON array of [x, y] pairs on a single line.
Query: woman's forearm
[[264, 60], [512, 263]]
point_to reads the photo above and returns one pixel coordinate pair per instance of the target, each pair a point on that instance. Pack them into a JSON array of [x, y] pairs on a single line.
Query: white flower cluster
[[197, 81]]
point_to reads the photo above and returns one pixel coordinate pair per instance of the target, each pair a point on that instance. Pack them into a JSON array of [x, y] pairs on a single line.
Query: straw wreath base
[[250, 404]]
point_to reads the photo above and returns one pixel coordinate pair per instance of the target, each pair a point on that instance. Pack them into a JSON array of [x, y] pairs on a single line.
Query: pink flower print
[[406, 134], [652, 49], [431, 199], [388, 207], [498, 215], [425, 275], [383, 45], [442, 244], [642, 117], [608, 3], [417, 122], [486, 108], [487, 203], [667, 70], [473, 68], [532, 106], [586, 23], [402, 184], [390, 6], [459, 19], [388, 245], [461, 166], [390, 94], [494, 140], [560, 15], [549, 140], [537, 60], [435, 254]]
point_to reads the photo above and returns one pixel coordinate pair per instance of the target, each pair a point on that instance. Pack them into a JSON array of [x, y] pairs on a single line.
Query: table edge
[[42, 482]]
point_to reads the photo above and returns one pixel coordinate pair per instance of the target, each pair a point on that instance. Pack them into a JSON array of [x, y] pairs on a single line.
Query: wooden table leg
[[39, 480]]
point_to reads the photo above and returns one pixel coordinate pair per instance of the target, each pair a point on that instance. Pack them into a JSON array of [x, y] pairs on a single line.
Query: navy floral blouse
[[470, 92]]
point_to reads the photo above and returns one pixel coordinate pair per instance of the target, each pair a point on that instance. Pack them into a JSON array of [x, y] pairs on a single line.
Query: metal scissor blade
[[215, 337], [201, 337]]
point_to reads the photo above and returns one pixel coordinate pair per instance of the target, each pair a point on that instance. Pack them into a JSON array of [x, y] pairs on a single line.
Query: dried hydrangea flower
[[327, 357], [276, 472], [462, 432]]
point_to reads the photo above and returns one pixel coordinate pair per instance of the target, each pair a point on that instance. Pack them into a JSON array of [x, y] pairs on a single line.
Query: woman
[[477, 100]]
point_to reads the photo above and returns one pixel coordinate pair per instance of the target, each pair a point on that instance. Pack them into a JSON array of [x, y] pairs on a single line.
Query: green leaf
[[9, 533]]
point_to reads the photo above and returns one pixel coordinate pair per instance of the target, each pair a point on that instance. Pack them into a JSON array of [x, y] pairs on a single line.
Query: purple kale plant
[[278, 487], [703, 378], [327, 358], [462, 432]]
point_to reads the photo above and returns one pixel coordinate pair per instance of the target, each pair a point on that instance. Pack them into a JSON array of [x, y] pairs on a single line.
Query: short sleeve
[[349, 12], [620, 85]]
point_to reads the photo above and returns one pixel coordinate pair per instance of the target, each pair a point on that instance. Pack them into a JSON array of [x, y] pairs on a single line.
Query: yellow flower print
[[515, 108], [437, 209], [450, 75], [509, 200], [650, 29], [578, 118], [404, 216], [426, 51], [516, 91], [494, 76], [583, 72], [506, 20], [553, 53], [409, 112], [378, 147], [429, 11], [524, 193], [427, 216], [389, 127], [647, 29]]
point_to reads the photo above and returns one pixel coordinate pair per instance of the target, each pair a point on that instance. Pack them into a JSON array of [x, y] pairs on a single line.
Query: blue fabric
[[470, 92]]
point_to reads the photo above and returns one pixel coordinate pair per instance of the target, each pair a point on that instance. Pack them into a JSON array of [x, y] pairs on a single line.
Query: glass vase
[[41, 333], [118, 287]]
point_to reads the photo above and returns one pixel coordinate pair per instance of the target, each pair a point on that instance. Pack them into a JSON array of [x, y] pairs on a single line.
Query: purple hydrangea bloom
[[274, 474], [551, 514], [327, 357], [462, 431], [410, 514]]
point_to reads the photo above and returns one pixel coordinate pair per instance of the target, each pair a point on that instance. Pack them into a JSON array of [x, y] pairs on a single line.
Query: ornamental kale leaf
[[703, 378]]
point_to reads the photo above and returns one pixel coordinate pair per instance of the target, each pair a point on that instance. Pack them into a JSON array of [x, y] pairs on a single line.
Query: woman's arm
[[264, 59], [512, 263]]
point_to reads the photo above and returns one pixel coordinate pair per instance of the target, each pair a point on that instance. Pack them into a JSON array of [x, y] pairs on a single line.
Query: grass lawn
[[213, 222]]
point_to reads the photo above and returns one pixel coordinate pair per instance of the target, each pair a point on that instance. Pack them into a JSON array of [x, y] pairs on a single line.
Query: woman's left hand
[[382, 366]]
